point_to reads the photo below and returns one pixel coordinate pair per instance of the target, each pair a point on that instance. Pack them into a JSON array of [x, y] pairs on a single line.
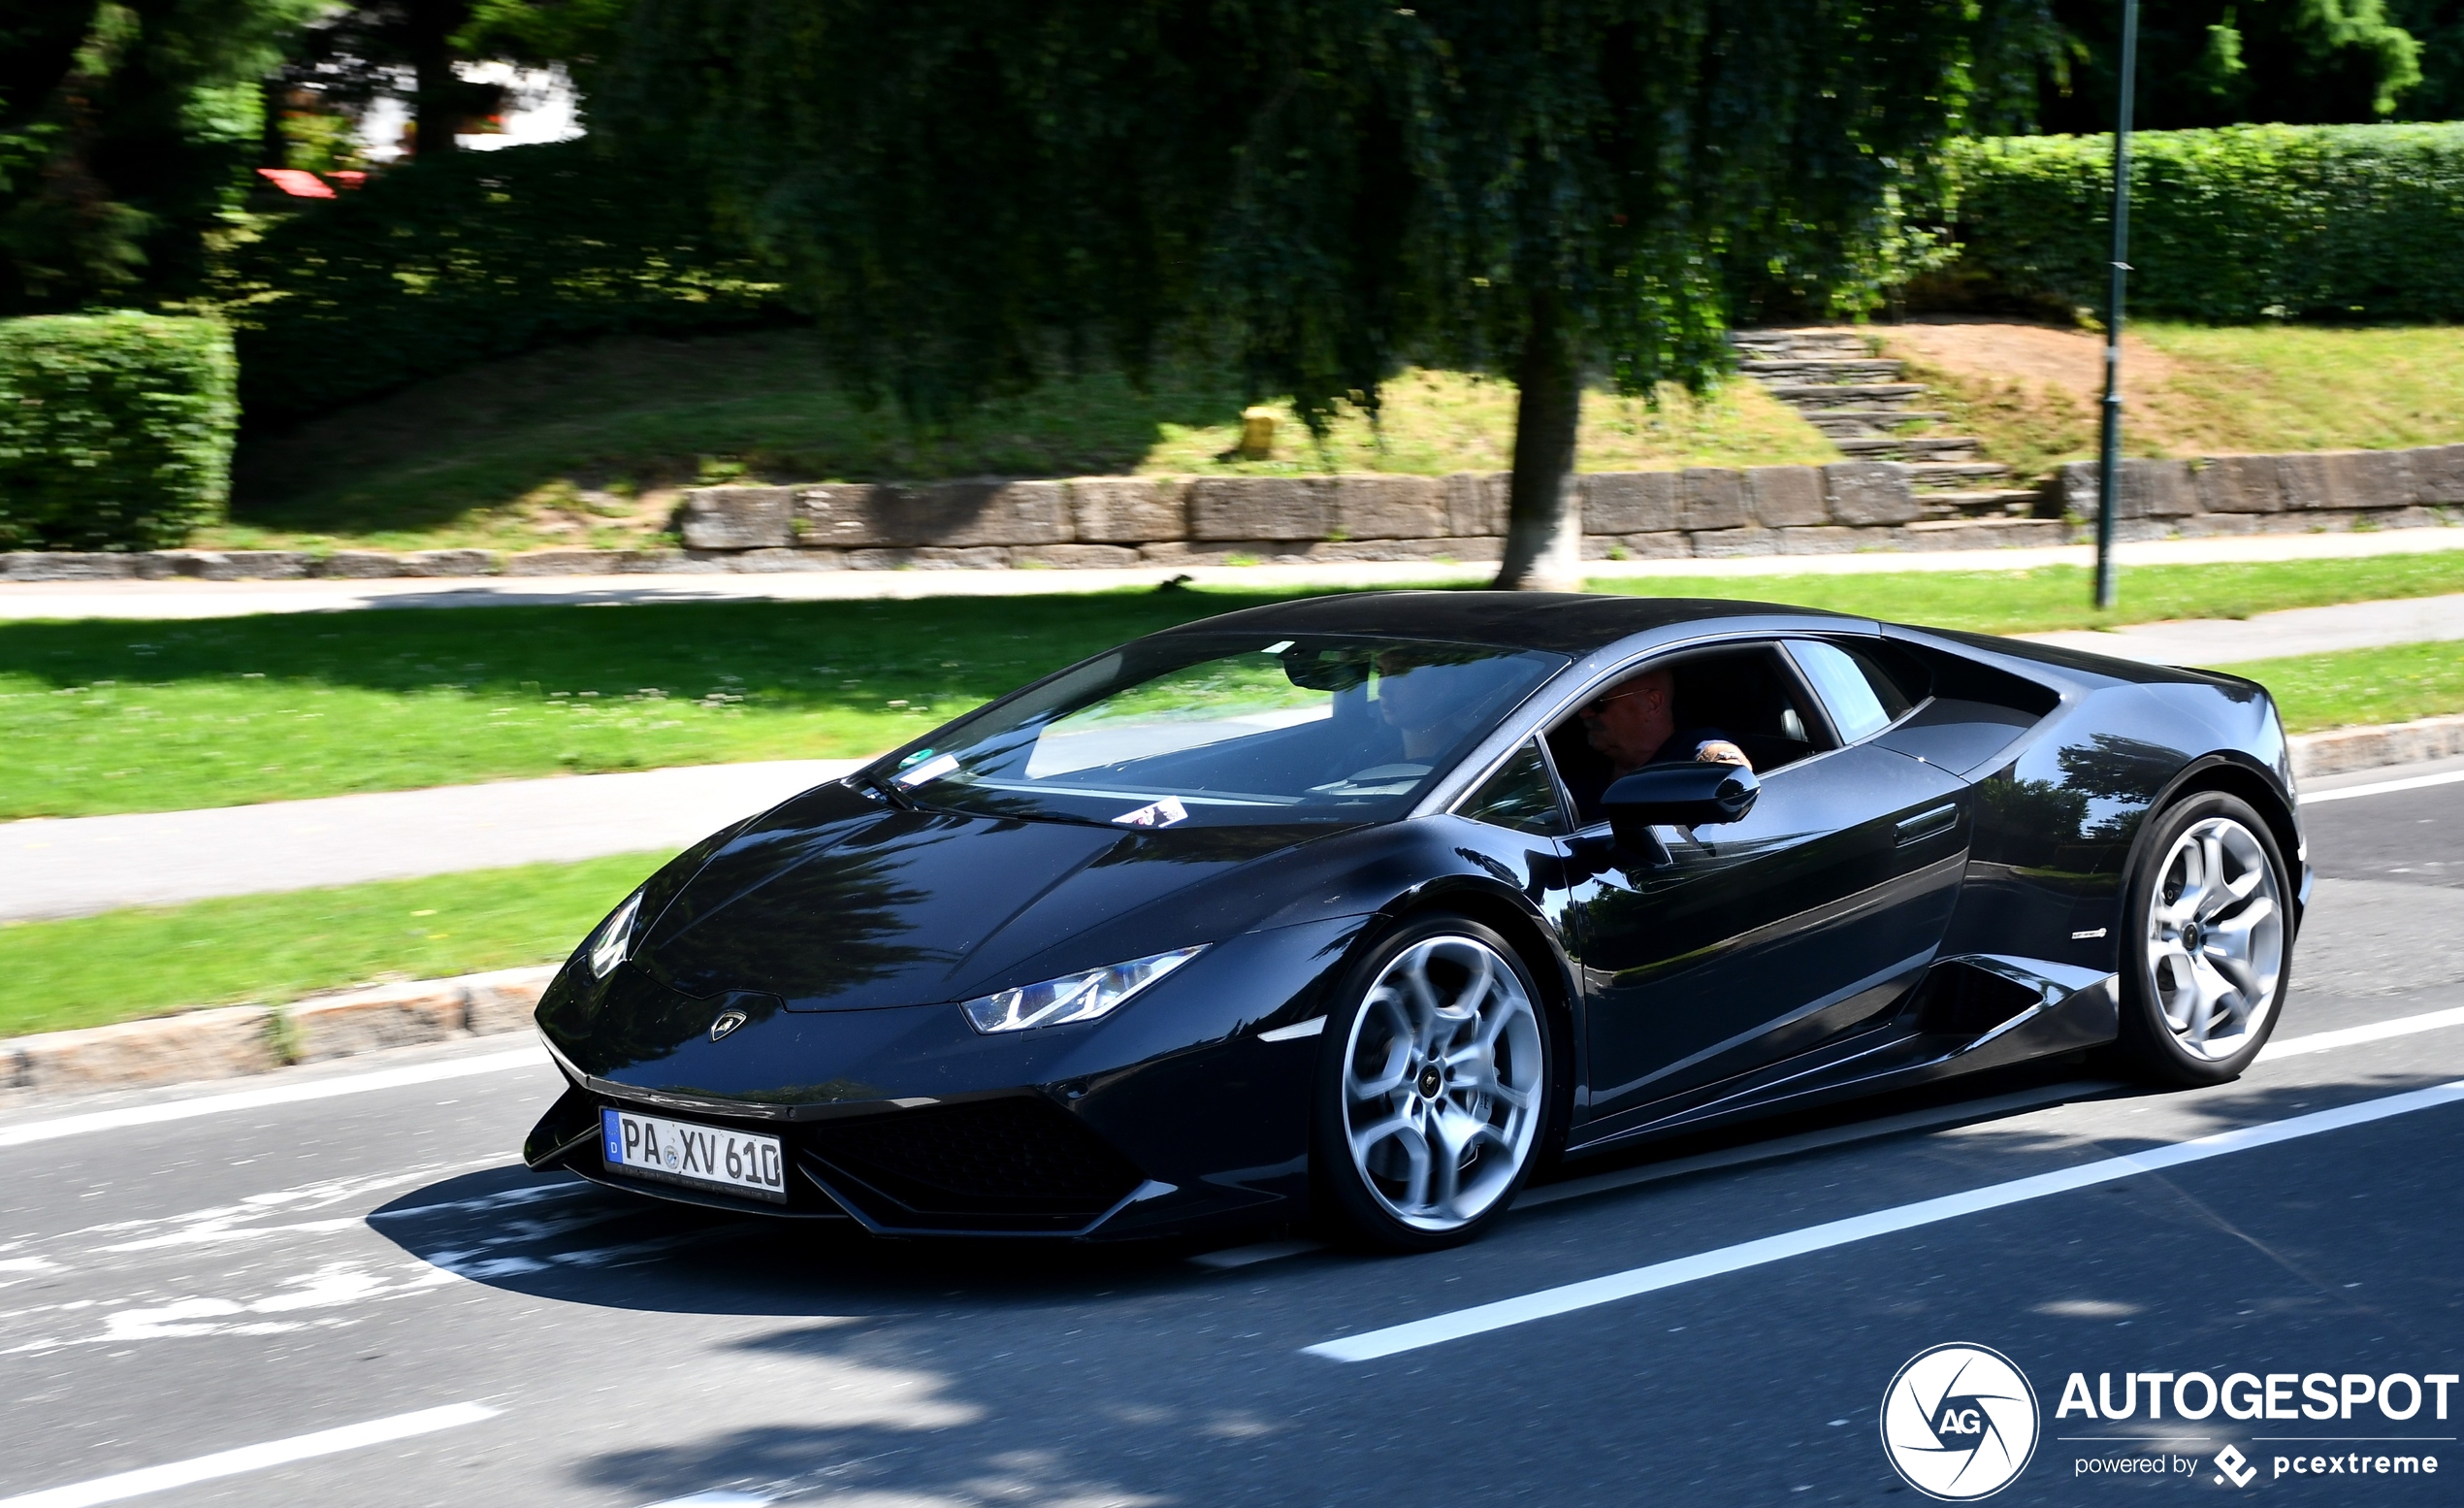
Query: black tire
[[1366, 1193], [2164, 1043]]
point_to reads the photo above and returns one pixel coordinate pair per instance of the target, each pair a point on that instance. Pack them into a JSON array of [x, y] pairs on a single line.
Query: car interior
[[1750, 694]]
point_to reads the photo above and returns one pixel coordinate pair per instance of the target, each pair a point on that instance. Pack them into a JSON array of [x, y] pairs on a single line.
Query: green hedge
[[433, 266], [2230, 225], [116, 430]]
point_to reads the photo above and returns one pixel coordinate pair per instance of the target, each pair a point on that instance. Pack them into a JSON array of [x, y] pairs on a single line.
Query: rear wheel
[[2208, 957], [1436, 1081]]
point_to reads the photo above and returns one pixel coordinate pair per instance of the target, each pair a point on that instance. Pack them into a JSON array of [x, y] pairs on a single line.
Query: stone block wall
[[1124, 521], [2271, 494]]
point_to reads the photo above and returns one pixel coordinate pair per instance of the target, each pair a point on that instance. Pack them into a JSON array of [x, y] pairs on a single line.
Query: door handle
[[1926, 823]]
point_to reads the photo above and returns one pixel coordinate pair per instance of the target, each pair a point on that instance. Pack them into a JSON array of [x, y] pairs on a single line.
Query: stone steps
[[1866, 423], [1913, 447], [1780, 344], [1840, 395], [1856, 399], [1954, 474], [1820, 369], [1984, 503]]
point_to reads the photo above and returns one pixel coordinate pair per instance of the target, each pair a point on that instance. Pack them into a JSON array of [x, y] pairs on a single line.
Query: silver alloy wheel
[[2216, 938], [1443, 1082]]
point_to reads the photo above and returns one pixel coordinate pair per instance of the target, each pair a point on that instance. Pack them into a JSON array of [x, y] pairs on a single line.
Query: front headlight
[[614, 937], [1097, 992]]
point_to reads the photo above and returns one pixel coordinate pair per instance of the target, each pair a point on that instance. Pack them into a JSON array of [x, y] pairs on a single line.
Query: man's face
[[1628, 722], [1405, 700]]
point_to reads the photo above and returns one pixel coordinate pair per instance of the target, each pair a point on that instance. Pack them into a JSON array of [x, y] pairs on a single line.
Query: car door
[[1755, 940]]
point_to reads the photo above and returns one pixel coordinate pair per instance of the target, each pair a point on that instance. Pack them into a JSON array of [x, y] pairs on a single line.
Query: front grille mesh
[[1012, 1155]]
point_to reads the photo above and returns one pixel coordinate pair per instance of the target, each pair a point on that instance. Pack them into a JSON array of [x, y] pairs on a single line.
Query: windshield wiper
[[888, 790]]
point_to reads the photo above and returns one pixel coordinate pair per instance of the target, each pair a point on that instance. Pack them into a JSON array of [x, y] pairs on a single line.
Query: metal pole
[[2109, 467]]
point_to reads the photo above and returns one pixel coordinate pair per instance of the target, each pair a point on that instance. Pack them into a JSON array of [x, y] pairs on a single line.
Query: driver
[[1633, 724]]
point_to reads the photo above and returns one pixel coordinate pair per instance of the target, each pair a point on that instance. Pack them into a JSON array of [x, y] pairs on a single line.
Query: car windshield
[[1205, 729]]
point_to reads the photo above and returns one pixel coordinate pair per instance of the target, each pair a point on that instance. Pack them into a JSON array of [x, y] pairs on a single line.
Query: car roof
[[1568, 623]]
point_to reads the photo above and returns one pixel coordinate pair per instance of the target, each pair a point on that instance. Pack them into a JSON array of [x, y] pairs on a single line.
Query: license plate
[[701, 1157]]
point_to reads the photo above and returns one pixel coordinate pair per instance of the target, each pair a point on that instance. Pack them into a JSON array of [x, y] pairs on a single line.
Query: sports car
[[1360, 910]]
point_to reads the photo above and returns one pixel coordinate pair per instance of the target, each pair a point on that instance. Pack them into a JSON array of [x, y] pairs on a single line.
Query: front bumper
[[1169, 1117]]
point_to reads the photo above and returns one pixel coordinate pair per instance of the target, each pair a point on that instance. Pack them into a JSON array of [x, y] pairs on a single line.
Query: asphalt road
[[234, 1281]]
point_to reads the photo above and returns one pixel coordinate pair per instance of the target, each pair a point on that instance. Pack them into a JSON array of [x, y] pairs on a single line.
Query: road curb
[[2339, 751], [238, 1040]]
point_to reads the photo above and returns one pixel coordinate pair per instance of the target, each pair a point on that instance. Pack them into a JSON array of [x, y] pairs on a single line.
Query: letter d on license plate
[[698, 1157]]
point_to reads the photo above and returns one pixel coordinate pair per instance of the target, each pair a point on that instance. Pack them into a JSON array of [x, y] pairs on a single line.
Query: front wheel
[[1437, 1077], [2208, 958]]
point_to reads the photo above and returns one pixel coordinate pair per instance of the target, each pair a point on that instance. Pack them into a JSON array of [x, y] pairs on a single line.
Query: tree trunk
[[440, 99], [1544, 520]]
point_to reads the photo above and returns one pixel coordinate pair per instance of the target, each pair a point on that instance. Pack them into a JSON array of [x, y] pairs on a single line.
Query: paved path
[[366, 1299], [74, 867], [2271, 635], [231, 599]]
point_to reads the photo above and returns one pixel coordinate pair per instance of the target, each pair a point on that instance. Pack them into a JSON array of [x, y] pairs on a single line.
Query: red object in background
[[347, 178], [296, 182]]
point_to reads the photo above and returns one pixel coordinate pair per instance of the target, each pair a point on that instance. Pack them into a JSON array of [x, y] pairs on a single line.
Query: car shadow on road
[[557, 1236], [560, 1237]]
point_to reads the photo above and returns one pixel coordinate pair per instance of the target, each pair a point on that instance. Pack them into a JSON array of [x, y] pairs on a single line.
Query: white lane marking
[[252, 1457], [1246, 1256], [1966, 1110], [2382, 788], [1293, 1033], [339, 1285], [2374, 1031], [1592, 1292], [259, 1098]]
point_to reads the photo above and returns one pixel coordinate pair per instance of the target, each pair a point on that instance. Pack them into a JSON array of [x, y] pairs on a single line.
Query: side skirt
[[1967, 1014]]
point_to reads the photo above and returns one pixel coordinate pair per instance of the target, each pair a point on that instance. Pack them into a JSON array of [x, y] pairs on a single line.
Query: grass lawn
[[2357, 687], [268, 949], [586, 445], [2030, 392], [105, 716], [589, 444]]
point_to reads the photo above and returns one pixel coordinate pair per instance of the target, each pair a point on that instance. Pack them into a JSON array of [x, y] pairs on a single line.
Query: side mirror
[[1692, 794]]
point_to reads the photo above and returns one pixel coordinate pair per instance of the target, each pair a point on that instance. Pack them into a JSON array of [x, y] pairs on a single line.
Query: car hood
[[837, 901]]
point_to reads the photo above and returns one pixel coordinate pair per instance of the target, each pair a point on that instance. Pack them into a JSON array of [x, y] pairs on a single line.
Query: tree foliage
[[2234, 225], [2226, 62], [442, 263], [965, 190], [126, 131]]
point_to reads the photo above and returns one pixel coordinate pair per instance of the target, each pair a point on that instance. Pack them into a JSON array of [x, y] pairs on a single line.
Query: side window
[[1862, 701], [1745, 695], [1522, 795]]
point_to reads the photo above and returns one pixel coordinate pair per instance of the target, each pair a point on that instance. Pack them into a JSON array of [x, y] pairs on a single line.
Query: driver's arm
[[1720, 751]]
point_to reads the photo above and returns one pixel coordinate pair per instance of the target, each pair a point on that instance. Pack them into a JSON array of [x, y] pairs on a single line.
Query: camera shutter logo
[[1959, 1423]]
